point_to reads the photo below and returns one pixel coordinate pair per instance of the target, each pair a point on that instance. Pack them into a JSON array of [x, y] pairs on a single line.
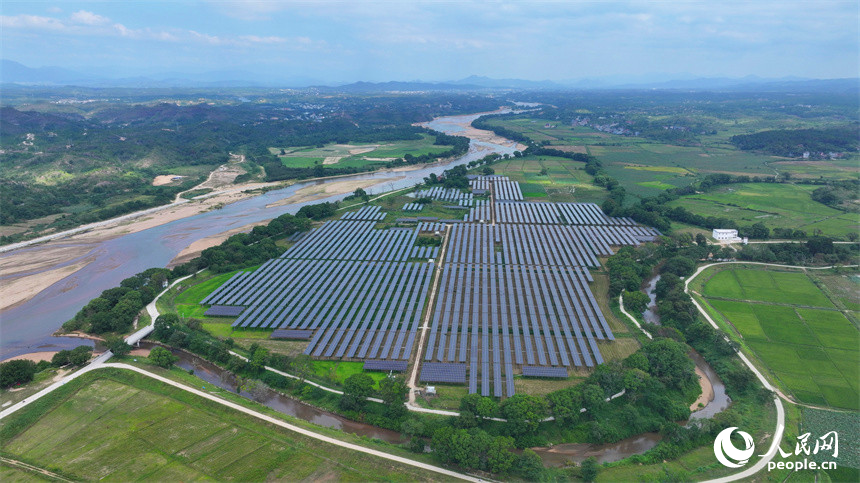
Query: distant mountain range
[[12, 72]]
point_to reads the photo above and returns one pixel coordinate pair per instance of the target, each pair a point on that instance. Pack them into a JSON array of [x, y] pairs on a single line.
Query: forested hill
[[78, 161], [793, 143]]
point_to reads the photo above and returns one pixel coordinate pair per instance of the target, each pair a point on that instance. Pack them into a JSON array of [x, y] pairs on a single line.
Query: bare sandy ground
[[315, 192], [32, 270], [33, 356], [163, 179], [18, 290], [480, 134], [707, 391], [332, 159]]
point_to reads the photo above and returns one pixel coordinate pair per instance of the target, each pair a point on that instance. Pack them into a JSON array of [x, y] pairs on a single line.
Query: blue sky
[[432, 40]]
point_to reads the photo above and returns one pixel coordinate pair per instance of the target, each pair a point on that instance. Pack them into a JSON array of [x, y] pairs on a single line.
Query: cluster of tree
[[318, 211], [629, 266], [817, 250], [18, 371], [454, 178], [245, 249], [794, 142], [359, 194], [116, 308], [838, 194], [428, 241], [78, 356]]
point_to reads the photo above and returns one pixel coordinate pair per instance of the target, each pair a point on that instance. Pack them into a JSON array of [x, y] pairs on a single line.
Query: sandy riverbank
[[26, 272], [480, 134], [316, 192], [33, 356], [707, 391]]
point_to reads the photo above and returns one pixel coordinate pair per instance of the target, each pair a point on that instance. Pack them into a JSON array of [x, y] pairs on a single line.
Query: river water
[[28, 327]]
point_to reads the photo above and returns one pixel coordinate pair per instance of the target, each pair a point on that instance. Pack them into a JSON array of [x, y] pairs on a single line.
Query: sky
[[347, 41]]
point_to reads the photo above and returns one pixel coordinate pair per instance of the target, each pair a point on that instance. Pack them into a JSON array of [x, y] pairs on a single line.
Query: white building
[[725, 235]]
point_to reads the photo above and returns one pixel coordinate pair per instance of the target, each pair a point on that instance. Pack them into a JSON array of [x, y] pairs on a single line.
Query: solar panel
[[443, 372], [291, 334], [224, 311], [380, 365], [538, 371]]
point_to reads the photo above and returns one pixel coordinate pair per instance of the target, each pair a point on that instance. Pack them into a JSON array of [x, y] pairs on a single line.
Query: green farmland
[[794, 328], [356, 155], [127, 428], [775, 205], [565, 179]]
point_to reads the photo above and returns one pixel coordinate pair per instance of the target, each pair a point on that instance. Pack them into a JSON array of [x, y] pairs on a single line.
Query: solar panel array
[[538, 371], [413, 207], [444, 194], [224, 311], [380, 365], [353, 240], [505, 189], [371, 213], [292, 334], [442, 372]]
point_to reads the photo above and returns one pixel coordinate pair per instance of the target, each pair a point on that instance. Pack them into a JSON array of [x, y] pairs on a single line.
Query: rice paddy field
[[806, 341], [129, 428], [355, 155], [775, 205]]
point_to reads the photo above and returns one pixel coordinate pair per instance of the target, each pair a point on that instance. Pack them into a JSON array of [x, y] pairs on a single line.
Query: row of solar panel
[[382, 365], [556, 214], [413, 207], [353, 240], [529, 245], [372, 213], [425, 252], [506, 190], [444, 194]]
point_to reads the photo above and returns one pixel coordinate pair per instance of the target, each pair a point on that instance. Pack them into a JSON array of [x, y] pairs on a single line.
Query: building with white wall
[[725, 235]]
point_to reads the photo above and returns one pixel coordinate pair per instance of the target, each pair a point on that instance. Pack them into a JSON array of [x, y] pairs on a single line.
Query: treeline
[[248, 249], [838, 194], [116, 308], [793, 143]]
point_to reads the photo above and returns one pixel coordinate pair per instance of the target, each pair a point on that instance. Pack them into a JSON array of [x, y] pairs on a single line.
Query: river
[[28, 327]]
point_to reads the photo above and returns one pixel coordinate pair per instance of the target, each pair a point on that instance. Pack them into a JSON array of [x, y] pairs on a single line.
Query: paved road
[[621, 306], [780, 410]]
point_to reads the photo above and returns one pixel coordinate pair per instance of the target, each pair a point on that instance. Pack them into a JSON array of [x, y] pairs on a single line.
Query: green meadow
[[356, 155], [775, 205]]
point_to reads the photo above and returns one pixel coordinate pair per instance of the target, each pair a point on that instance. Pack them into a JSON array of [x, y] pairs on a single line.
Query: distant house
[[725, 235]]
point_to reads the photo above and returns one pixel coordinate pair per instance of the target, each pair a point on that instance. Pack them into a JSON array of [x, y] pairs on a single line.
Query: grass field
[[807, 343], [646, 167], [356, 155], [775, 205], [565, 179], [115, 430]]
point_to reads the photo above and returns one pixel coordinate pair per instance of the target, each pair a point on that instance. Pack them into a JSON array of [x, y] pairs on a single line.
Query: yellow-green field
[[356, 155], [129, 428]]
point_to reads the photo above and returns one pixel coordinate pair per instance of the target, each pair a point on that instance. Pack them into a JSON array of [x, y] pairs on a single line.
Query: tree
[[19, 371], [356, 388], [523, 412], [669, 363], [680, 266], [589, 469], [636, 302], [701, 240], [500, 459], [117, 345], [162, 357], [301, 366], [80, 355], [529, 465], [392, 391]]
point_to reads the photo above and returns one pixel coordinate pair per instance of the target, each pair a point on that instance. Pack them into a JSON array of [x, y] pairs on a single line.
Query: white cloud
[[89, 18]]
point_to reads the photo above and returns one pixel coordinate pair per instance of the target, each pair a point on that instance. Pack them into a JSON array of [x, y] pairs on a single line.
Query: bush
[[162, 357], [16, 372]]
